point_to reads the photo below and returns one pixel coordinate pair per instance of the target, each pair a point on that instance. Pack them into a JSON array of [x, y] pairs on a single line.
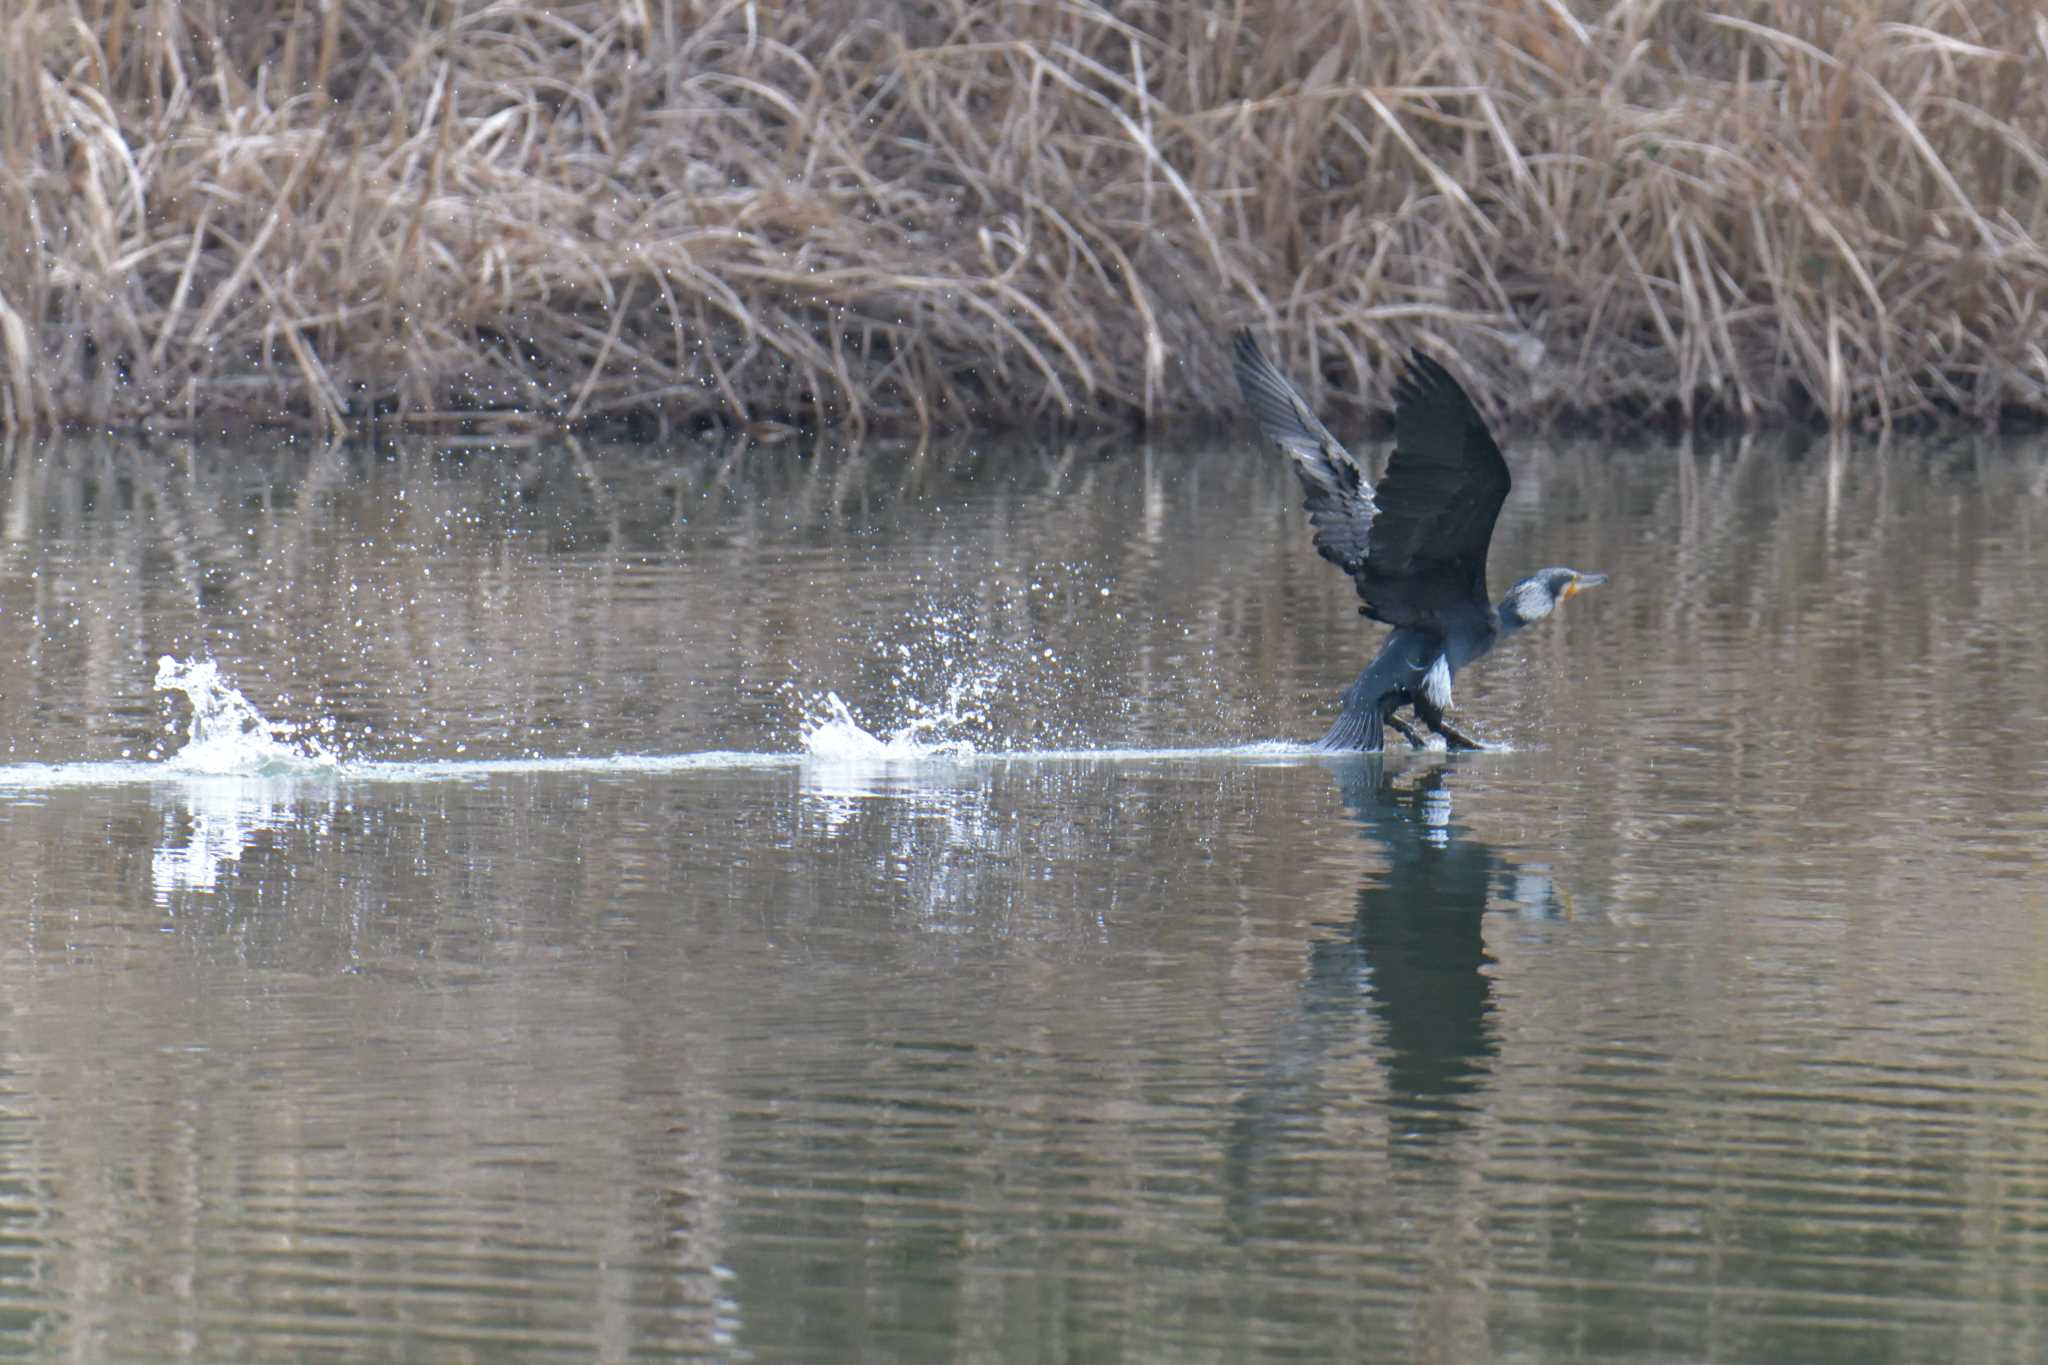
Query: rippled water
[[788, 905]]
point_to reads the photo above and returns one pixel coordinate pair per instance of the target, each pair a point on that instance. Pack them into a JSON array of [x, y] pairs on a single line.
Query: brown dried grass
[[970, 213]]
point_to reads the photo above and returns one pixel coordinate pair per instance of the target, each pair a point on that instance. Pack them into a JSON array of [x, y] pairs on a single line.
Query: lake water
[[825, 905]]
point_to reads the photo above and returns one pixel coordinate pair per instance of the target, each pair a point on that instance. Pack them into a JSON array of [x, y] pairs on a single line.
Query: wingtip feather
[[1424, 376], [1273, 402]]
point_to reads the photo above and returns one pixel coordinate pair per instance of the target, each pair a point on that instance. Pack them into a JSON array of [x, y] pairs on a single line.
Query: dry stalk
[[948, 213]]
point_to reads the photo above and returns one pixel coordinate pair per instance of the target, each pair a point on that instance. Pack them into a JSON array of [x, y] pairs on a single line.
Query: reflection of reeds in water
[[450, 591], [955, 213], [562, 1065]]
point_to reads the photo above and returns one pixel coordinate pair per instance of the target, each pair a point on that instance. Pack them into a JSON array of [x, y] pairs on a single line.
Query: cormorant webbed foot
[[1454, 737], [1407, 732]]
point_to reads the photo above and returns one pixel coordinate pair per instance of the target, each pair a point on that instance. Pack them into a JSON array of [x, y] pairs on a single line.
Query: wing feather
[[1416, 545], [1339, 500], [1442, 491]]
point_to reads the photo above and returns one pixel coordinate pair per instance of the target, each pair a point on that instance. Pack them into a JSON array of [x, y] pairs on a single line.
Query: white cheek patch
[[1436, 684]]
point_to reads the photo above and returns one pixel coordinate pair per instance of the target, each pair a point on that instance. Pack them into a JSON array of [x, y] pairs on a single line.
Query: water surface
[[815, 905]]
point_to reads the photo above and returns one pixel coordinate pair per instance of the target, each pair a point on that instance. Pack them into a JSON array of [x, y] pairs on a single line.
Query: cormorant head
[[1538, 595]]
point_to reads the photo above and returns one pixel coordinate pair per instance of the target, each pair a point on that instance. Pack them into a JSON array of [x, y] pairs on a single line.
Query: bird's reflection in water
[[1414, 952], [1405, 980]]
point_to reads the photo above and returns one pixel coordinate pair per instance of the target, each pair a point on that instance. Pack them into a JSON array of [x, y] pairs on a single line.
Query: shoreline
[[951, 217]]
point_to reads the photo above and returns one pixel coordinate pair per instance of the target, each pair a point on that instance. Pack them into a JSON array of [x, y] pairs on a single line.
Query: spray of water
[[831, 732], [228, 735], [967, 679]]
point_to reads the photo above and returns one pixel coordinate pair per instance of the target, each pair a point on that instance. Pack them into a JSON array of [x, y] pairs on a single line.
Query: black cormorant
[[1416, 545]]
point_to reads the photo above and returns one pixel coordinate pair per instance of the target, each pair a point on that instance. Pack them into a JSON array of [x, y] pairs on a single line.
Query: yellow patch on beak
[[1580, 582]]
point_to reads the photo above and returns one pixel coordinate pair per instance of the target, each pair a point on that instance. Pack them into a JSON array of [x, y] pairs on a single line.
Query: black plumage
[[1415, 546]]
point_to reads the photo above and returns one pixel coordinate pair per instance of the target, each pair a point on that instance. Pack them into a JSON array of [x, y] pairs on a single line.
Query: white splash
[[238, 772], [835, 736], [950, 679], [228, 735]]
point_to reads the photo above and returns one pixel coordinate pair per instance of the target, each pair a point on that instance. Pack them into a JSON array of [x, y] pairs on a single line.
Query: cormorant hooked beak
[[1581, 581]]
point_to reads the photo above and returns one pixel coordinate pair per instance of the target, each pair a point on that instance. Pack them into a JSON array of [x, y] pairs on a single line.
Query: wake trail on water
[[228, 739], [832, 734]]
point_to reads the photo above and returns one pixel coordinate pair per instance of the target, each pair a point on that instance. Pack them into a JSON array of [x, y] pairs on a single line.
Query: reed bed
[[977, 213]]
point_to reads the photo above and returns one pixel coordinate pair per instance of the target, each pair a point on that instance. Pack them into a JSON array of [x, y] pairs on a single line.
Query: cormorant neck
[[1511, 619], [1528, 602]]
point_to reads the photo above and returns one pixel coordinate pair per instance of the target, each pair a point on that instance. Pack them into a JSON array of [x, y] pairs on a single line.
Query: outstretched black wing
[[1340, 501], [1416, 546], [1438, 500]]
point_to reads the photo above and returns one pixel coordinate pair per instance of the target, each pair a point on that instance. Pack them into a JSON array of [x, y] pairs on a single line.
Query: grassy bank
[[984, 213]]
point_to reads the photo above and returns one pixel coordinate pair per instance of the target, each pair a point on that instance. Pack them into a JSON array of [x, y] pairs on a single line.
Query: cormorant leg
[[1407, 732], [1453, 736]]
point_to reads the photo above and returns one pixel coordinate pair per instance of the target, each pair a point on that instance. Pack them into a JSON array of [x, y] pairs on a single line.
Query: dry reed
[[967, 213]]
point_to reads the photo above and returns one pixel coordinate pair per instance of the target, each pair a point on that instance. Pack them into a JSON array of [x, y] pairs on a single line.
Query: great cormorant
[[1416, 545]]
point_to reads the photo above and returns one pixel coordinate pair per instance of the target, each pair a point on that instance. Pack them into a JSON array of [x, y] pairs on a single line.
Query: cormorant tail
[[1359, 730]]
